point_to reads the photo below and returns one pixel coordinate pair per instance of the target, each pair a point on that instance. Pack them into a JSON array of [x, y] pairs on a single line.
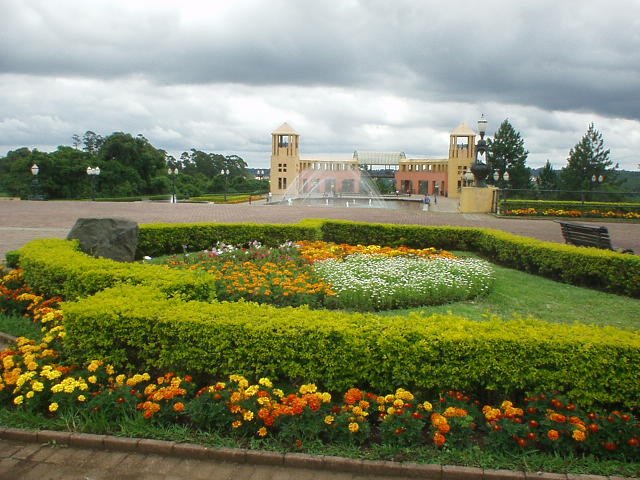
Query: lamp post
[[93, 175], [173, 172], [260, 174], [502, 192], [468, 177], [34, 182], [225, 171], [479, 168]]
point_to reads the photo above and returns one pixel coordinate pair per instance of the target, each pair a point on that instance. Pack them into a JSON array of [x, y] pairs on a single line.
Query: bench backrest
[[586, 235]]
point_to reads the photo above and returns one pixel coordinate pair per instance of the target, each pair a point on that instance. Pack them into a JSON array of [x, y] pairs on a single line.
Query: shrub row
[[57, 267], [139, 327], [589, 267], [513, 204], [164, 238]]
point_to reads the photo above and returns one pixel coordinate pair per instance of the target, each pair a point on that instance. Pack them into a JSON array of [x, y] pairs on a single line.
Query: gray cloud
[[347, 74]]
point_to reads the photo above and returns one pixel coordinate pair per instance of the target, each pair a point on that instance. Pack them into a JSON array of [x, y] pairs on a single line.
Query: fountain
[[343, 187]]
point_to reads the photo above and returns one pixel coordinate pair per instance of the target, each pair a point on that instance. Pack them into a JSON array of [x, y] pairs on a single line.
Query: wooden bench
[[586, 235]]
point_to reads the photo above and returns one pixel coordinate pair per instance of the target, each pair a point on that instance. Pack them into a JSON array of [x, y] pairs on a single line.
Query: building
[[294, 174]]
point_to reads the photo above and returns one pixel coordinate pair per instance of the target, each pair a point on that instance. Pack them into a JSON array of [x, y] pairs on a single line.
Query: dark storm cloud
[[569, 56]]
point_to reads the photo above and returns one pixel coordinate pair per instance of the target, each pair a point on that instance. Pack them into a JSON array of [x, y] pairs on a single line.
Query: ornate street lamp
[[35, 186], [173, 172], [225, 171], [93, 175], [479, 168]]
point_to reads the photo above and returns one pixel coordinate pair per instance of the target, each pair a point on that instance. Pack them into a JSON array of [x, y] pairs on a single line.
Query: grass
[[517, 293], [19, 326]]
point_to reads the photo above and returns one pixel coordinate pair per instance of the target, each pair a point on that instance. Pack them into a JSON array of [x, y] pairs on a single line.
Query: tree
[[506, 153], [129, 165], [548, 177], [588, 158]]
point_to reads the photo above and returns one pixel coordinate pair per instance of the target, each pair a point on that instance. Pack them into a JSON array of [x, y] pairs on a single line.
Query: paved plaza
[[22, 221]]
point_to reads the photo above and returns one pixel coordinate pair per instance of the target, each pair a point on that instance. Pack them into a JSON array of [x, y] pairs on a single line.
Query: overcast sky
[[399, 75]]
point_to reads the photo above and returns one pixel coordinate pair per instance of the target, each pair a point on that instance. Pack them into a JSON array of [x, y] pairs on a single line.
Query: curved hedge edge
[[57, 267], [138, 327]]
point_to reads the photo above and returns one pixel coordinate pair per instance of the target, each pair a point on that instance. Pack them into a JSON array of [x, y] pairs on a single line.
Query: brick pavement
[[22, 221], [49, 455]]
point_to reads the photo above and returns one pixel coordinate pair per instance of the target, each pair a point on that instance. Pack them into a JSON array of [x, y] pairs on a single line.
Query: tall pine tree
[[548, 178], [587, 159], [507, 153]]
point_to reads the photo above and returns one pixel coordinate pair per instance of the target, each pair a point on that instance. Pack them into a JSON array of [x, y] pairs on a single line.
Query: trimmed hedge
[[164, 238], [139, 327], [588, 267], [57, 267], [625, 207]]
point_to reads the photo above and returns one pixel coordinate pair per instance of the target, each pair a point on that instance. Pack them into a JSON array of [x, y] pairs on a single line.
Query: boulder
[[114, 238]]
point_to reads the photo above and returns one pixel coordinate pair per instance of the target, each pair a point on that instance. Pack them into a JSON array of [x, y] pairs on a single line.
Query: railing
[[576, 200]]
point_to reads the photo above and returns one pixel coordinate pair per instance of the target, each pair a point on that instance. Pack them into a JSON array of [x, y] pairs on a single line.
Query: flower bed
[[34, 377], [573, 213], [340, 276]]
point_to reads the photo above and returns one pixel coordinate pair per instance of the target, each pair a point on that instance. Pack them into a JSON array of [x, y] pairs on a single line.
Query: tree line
[[130, 166], [588, 164]]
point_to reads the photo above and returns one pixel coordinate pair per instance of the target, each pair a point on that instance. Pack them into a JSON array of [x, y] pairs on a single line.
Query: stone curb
[[7, 338], [295, 460]]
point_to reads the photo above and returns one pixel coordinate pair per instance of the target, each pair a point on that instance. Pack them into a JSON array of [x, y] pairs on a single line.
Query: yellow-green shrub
[[140, 327], [57, 267]]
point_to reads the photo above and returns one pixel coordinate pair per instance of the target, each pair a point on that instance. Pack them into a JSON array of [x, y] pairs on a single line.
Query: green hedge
[[164, 238], [138, 327], [540, 205], [589, 267], [57, 267]]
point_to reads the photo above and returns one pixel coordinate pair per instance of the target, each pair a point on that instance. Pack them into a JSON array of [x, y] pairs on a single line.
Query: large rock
[[115, 238]]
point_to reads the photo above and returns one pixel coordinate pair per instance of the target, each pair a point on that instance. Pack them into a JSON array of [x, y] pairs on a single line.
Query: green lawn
[[519, 293], [19, 326]]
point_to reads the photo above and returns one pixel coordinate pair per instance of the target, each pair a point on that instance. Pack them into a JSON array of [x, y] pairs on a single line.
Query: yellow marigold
[[120, 379], [92, 379], [325, 397], [329, 419], [391, 410], [94, 365], [278, 393], [236, 424], [53, 407], [308, 388], [82, 398], [18, 400], [37, 386], [389, 398], [404, 394], [398, 403], [251, 391], [265, 382], [354, 427], [262, 432], [240, 380], [30, 394], [248, 416], [427, 406]]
